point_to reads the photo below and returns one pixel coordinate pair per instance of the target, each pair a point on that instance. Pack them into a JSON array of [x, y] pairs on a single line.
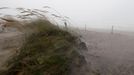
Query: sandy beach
[[9, 42], [110, 54]]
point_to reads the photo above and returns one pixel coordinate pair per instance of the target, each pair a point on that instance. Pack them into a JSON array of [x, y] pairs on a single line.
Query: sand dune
[[108, 54]]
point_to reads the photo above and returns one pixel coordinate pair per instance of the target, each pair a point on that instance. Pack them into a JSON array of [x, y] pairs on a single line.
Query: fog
[[93, 13], [109, 51]]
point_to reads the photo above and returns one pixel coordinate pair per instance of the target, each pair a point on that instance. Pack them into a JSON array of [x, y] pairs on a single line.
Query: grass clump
[[47, 50]]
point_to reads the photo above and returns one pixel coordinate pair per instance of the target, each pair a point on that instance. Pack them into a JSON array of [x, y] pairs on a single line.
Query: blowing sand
[[110, 54]]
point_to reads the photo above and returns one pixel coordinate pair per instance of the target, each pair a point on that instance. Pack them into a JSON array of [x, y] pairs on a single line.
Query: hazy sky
[[94, 13]]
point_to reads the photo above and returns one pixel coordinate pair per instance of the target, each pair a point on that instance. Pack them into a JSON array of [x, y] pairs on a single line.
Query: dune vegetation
[[47, 50]]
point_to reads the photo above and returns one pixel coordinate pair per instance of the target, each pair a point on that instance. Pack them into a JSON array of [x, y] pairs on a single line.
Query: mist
[[93, 13], [103, 31]]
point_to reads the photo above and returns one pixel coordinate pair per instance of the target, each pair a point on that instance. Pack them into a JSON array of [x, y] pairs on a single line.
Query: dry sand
[[110, 54]]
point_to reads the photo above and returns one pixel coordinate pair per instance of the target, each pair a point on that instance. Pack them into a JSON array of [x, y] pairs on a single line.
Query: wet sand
[[110, 54], [9, 43]]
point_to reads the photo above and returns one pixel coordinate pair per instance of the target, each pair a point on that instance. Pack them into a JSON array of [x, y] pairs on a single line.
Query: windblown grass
[[47, 50]]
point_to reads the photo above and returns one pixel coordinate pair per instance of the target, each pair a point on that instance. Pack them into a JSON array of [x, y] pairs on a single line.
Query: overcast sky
[[94, 13]]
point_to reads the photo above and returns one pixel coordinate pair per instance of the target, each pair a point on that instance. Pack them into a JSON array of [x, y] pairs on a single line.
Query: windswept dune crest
[[110, 54]]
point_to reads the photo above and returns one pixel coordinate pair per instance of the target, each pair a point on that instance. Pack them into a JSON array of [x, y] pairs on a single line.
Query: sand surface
[[110, 54], [107, 54], [9, 42]]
